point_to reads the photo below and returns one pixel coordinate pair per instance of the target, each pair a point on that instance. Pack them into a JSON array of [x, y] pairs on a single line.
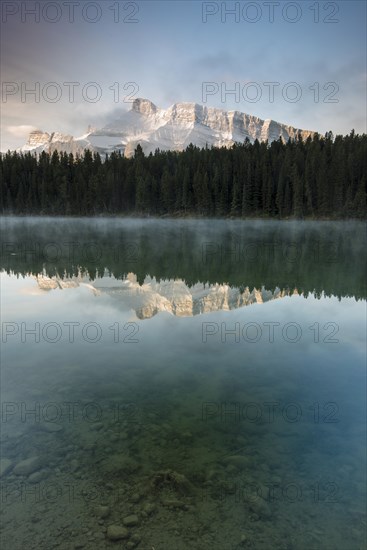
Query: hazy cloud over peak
[[166, 51]]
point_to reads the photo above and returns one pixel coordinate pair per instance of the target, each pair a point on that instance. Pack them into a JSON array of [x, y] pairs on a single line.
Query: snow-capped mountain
[[167, 129]]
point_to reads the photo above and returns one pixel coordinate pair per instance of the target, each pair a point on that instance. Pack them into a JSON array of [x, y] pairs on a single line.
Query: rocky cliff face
[[39, 141], [171, 296], [167, 129]]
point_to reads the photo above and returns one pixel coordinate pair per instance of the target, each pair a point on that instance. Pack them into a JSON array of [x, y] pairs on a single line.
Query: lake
[[183, 384]]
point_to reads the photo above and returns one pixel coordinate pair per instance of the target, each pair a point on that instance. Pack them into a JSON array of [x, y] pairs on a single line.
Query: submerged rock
[[102, 511], [38, 476], [27, 466], [50, 427], [117, 463], [130, 521], [260, 507], [149, 508], [238, 461], [117, 532], [172, 480], [173, 503], [134, 541], [5, 466]]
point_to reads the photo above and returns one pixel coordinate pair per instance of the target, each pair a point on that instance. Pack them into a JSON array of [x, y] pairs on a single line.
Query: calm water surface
[[183, 384]]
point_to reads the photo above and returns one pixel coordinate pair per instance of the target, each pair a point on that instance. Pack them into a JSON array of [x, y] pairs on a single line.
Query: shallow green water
[[207, 377]]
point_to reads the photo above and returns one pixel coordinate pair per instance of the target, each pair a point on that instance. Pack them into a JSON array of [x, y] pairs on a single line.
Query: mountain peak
[[143, 106]]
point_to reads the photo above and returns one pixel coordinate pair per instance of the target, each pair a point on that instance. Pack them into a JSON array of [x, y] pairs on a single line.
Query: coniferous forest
[[322, 177]]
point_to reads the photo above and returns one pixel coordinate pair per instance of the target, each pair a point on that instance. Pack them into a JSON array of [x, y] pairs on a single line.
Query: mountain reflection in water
[[172, 296], [318, 258]]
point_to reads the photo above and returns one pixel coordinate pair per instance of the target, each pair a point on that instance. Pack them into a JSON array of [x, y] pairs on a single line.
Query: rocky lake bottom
[[235, 422]]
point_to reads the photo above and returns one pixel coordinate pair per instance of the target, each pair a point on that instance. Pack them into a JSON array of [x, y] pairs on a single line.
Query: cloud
[[21, 131]]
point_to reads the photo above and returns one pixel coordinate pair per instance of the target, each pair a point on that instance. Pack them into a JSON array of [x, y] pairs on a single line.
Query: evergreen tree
[[236, 198]]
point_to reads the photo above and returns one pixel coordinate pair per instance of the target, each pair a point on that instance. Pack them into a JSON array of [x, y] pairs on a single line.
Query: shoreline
[[175, 217]]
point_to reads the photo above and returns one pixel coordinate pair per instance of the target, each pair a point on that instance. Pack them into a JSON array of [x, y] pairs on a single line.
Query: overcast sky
[[301, 63]]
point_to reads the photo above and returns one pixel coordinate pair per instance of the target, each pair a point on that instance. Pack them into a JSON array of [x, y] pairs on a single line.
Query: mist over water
[[207, 377], [311, 256]]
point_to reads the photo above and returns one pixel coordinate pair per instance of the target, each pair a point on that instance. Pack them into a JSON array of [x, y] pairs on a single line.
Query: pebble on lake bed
[[130, 521], [37, 477], [134, 541], [5, 466], [102, 511], [238, 461], [50, 427], [27, 466], [117, 532], [260, 507], [173, 503], [149, 508]]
